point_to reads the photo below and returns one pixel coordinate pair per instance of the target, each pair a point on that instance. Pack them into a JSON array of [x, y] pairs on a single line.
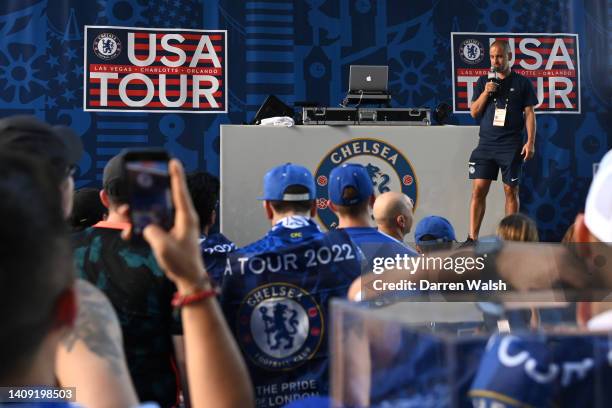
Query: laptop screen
[[368, 78]]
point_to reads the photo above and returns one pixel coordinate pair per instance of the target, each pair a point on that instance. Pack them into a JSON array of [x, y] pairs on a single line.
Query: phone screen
[[150, 196]]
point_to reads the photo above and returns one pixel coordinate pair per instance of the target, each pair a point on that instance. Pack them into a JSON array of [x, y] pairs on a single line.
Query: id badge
[[499, 118]]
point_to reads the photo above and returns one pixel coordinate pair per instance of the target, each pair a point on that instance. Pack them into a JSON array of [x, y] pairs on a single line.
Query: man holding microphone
[[503, 103]]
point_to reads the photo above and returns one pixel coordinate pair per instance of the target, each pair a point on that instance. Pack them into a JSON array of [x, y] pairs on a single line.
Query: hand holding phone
[[178, 251]]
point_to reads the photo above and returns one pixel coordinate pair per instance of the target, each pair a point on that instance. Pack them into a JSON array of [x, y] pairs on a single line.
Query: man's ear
[[67, 192], [332, 206], [268, 209], [581, 231], [583, 313], [582, 235], [354, 292], [213, 217], [313, 208], [400, 220], [104, 198], [66, 309], [372, 199]]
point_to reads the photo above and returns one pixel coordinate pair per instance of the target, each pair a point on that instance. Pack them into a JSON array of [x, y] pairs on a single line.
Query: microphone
[[492, 77]]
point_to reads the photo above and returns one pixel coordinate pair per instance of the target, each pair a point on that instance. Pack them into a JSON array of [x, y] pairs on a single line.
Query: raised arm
[[217, 375], [479, 104]]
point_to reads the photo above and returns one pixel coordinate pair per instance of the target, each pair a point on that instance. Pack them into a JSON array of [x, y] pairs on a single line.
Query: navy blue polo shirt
[[518, 92]]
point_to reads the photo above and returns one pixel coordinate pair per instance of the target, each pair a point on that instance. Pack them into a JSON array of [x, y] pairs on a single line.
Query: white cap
[[598, 210]]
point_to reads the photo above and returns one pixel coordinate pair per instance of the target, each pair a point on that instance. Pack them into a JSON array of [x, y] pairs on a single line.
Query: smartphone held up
[[149, 192]]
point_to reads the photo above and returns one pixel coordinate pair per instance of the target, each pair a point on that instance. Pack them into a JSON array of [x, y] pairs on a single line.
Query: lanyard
[[495, 102], [507, 96]]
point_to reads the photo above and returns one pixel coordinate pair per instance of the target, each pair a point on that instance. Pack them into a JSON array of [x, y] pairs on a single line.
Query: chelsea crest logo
[[280, 326], [388, 168], [107, 46], [471, 51]]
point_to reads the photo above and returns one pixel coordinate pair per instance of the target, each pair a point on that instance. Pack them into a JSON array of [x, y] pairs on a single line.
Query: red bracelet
[[179, 300]]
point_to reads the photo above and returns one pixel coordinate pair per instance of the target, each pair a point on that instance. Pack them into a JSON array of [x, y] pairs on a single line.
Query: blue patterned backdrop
[[301, 50]]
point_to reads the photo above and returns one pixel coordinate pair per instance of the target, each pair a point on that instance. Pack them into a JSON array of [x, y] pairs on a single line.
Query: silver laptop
[[368, 78]]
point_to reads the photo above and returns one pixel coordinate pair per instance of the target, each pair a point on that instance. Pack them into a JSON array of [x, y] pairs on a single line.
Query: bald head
[[502, 45], [393, 214]]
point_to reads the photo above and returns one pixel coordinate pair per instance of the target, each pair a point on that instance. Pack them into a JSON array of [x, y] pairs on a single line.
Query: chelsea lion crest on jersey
[[280, 326], [387, 167]]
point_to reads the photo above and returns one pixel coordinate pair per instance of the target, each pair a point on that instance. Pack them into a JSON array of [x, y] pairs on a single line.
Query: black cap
[[114, 179], [87, 208], [57, 144]]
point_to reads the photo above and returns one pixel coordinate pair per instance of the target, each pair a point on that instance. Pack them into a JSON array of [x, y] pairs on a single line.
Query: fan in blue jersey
[[215, 248], [276, 291], [351, 197], [204, 191]]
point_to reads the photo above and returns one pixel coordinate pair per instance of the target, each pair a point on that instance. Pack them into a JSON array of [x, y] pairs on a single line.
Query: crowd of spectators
[[129, 325]]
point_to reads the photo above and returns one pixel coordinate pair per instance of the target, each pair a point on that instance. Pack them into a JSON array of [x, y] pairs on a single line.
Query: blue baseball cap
[[277, 180], [349, 175], [436, 226]]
